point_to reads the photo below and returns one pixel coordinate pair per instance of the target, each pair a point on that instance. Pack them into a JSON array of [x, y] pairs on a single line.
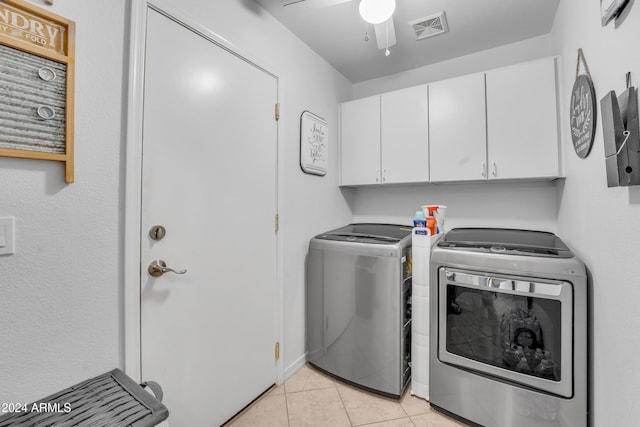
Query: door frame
[[133, 174]]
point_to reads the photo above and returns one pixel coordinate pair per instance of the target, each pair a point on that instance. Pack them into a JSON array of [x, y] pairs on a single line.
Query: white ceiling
[[337, 32]]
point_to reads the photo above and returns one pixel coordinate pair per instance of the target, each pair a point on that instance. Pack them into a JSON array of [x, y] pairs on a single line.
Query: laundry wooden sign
[[23, 25], [37, 67]]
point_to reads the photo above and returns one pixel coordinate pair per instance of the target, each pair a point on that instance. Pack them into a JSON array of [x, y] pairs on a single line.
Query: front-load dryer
[[508, 329]]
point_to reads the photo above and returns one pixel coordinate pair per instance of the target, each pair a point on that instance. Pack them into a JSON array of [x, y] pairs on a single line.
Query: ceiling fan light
[[377, 11]]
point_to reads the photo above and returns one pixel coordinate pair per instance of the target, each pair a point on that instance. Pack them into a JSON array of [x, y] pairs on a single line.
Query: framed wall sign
[[582, 113], [314, 133], [37, 63]]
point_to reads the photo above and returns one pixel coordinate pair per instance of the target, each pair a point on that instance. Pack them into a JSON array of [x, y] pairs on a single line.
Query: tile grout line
[[383, 421], [286, 405], [406, 414], [402, 397], [337, 385], [311, 389], [343, 405]]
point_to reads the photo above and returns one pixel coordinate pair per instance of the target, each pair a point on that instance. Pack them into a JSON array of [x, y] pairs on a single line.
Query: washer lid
[[368, 233], [506, 241]]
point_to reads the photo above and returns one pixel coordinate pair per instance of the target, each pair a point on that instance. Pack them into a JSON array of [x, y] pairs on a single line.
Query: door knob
[[158, 267]]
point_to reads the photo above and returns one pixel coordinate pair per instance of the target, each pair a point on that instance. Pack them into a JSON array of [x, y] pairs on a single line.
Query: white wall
[[61, 311], [61, 293], [610, 252], [518, 205], [511, 205], [509, 54]]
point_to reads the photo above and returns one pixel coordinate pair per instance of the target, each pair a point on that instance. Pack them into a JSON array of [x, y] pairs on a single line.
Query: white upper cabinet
[[405, 136], [497, 125], [457, 129], [360, 142], [522, 127]]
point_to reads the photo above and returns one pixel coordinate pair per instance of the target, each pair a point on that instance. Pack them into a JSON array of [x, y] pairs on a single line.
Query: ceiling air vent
[[430, 26]]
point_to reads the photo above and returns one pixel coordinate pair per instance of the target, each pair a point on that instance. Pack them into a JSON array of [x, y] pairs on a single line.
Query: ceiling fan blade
[[293, 2], [381, 34], [316, 4]]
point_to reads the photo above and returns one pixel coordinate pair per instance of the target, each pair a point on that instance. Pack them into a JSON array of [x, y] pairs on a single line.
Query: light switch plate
[[7, 235]]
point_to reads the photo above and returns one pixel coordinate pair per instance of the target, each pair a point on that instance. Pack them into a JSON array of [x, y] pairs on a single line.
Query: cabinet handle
[[495, 169], [384, 175], [484, 170]]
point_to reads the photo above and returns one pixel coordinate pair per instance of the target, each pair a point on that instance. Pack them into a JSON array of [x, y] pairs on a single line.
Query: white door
[[209, 178], [360, 141], [457, 129], [522, 124], [405, 135]]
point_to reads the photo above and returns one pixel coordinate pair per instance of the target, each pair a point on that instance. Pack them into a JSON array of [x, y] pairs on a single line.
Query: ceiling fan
[[379, 13]]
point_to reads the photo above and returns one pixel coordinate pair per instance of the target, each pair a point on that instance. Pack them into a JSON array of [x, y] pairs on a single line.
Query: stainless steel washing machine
[[508, 329], [358, 305]]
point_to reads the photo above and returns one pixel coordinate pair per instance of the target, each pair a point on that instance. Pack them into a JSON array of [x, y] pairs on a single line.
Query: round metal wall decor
[[583, 115]]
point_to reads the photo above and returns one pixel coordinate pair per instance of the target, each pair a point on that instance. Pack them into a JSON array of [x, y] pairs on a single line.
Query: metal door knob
[[158, 267]]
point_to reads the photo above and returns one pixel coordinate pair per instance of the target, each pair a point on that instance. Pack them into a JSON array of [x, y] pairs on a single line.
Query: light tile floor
[[311, 399]]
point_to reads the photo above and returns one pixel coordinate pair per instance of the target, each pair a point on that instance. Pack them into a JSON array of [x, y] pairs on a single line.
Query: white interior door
[[209, 178]]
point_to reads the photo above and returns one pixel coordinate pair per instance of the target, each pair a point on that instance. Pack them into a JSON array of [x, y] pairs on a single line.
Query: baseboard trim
[[295, 366]]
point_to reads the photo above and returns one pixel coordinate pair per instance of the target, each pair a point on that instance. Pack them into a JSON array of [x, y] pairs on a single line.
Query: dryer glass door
[[515, 328]]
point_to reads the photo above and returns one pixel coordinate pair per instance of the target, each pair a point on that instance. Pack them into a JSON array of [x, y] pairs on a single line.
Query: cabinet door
[[457, 129], [405, 136], [360, 142], [522, 127]]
